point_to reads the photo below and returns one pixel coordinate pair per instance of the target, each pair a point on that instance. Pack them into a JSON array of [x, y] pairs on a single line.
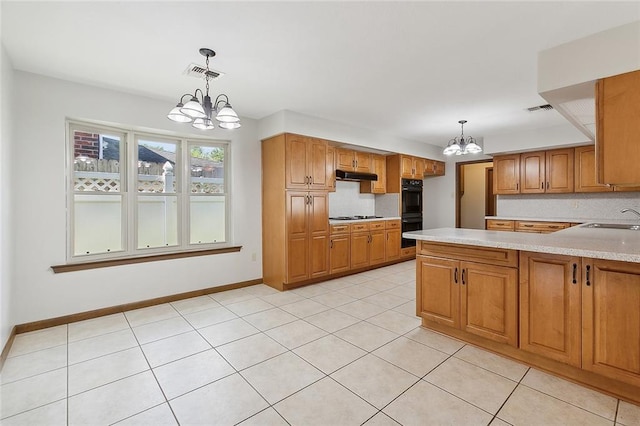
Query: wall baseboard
[[67, 319], [7, 347]]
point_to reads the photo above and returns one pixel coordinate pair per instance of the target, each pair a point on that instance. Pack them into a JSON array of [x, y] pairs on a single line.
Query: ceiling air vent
[[546, 107], [199, 71]]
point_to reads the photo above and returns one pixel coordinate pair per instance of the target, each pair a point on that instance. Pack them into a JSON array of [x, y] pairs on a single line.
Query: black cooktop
[[354, 217]]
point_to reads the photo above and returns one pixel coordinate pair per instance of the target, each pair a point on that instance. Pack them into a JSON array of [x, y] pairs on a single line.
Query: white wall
[[6, 228], [38, 159]]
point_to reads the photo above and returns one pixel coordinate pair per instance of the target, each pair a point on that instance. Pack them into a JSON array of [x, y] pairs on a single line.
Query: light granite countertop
[[376, 219], [610, 244]]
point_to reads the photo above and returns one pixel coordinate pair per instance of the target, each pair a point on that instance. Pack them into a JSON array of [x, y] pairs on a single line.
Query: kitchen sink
[[612, 226]]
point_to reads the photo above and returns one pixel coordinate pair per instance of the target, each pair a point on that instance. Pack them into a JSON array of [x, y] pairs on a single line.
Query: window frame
[[129, 190]]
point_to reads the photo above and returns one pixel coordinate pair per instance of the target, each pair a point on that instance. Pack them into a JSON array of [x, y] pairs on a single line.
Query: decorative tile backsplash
[[600, 205]]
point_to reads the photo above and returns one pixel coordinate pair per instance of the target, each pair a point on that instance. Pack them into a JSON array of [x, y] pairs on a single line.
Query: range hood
[[355, 176]]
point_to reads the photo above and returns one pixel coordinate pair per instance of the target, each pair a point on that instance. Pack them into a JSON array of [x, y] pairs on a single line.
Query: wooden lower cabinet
[[359, 249], [550, 311], [480, 299], [392, 244], [339, 253], [377, 243]]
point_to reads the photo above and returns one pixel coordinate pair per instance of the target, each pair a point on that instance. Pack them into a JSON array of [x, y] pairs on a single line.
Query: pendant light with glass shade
[[200, 112], [461, 145]]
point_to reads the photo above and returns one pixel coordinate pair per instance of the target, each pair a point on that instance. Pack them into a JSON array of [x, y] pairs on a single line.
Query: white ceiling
[[409, 69]]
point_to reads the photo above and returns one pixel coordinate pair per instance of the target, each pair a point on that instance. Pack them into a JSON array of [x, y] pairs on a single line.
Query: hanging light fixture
[[202, 112], [461, 146]]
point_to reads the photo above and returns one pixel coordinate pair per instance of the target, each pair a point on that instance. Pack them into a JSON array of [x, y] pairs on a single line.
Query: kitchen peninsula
[[567, 302]]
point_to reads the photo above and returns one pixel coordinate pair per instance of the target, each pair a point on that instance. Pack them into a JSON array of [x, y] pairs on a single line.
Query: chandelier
[[201, 112], [461, 146]]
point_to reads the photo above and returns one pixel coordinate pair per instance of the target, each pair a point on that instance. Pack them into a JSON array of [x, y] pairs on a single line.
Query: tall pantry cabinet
[[297, 174]]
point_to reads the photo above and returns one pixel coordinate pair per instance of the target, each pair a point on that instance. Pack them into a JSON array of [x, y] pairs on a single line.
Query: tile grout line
[[509, 396]]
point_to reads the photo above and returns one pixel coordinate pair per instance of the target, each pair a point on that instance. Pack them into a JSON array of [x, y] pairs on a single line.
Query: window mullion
[[131, 228]]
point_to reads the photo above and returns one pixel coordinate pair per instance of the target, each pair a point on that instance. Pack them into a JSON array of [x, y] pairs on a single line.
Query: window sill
[[72, 267]]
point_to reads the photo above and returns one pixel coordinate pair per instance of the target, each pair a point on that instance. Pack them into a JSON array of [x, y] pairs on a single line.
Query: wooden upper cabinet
[[406, 167], [379, 167], [363, 161], [559, 171], [433, 168], [353, 161], [439, 168], [585, 171], [506, 174], [306, 163], [331, 168], [532, 172], [617, 129], [418, 167]]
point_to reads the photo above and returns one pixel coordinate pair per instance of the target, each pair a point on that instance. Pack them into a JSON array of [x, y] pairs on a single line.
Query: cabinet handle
[[455, 276], [463, 281], [517, 186], [331, 244], [541, 185], [575, 270], [554, 226], [527, 226], [547, 185], [588, 272], [353, 163]]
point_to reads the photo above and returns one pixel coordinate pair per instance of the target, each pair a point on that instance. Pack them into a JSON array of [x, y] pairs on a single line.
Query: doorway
[[474, 194]]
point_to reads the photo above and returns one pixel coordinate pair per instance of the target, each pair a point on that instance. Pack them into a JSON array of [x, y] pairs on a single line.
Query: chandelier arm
[[182, 97]]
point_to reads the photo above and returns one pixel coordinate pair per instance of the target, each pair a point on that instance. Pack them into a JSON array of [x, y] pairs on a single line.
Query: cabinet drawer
[[490, 255], [393, 224], [500, 225], [340, 229], [376, 225], [356, 227], [540, 227], [408, 252]]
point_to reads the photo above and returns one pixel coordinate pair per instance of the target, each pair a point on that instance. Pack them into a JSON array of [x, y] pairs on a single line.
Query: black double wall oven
[[411, 208]]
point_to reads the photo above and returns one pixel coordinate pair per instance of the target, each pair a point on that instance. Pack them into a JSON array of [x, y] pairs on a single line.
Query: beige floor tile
[[309, 291], [386, 300], [505, 367], [333, 299], [161, 329], [194, 304], [329, 353], [628, 414], [295, 334], [37, 340], [587, 399], [54, 414], [232, 296], [250, 350], [435, 340], [407, 308], [248, 307], [395, 321], [281, 376], [97, 326], [360, 309], [358, 291], [356, 279], [209, 317], [115, 401], [336, 284], [98, 346], [33, 363], [374, 273], [261, 290], [225, 402], [378, 389], [380, 284], [304, 308], [175, 347], [499, 422], [402, 277], [332, 320], [405, 291], [268, 417], [473, 384], [271, 318], [228, 331], [411, 356], [187, 374], [33, 392], [527, 406], [282, 298], [366, 336], [381, 419], [425, 404], [325, 403], [142, 316], [106, 369], [159, 415]]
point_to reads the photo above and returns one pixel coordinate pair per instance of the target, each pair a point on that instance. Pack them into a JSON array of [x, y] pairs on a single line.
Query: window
[[135, 193]]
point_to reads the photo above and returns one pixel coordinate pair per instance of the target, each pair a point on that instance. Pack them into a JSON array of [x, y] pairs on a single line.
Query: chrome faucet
[[630, 210]]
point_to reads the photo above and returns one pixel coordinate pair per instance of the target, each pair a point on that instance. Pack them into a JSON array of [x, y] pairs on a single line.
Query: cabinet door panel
[[345, 160], [506, 174], [296, 162], [532, 173], [297, 220], [363, 162], [489, 302], [585, 171], [319, 255], [297, 258], [438, 295], [611, 315], [418, 168], [339, 252], [376, 247], [317, 166], [550, 305], [318, 213], [331, 168], [359, 250], [392, 247], [406, 167], [560, 171]]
